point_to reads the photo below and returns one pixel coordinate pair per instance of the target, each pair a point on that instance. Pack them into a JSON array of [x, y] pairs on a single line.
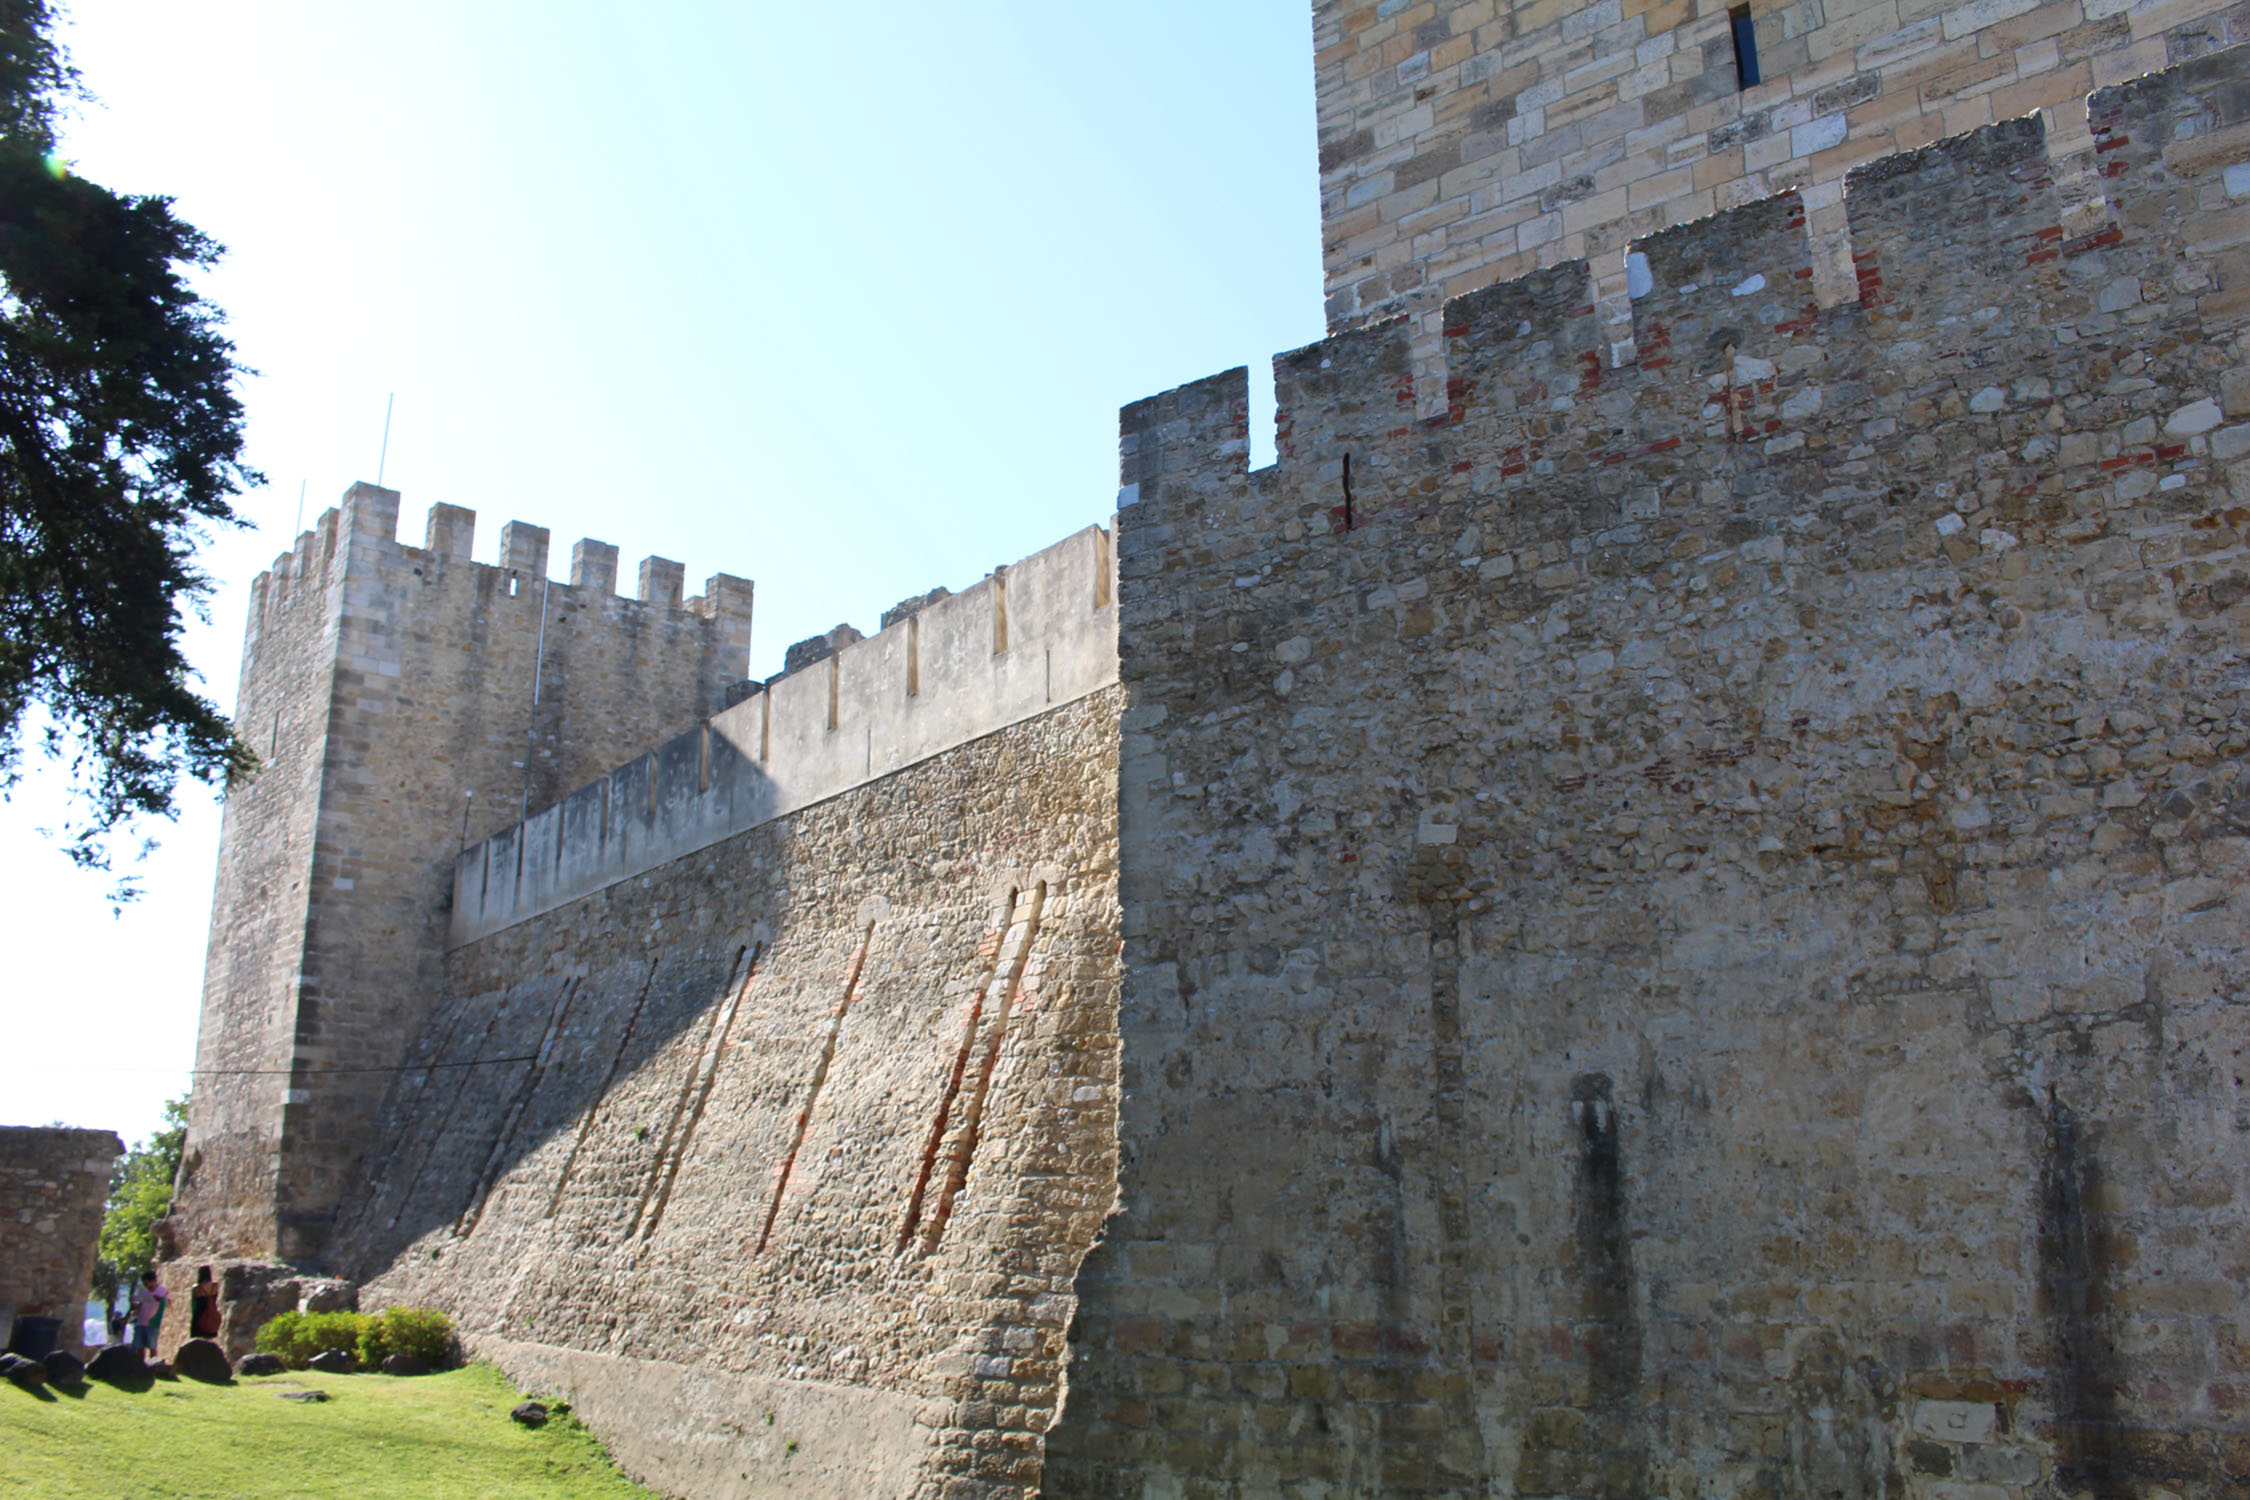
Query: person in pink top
[[148, 1312]]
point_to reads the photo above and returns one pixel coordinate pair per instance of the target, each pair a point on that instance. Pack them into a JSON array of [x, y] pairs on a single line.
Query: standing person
[[203, 1305], [148, 1312]]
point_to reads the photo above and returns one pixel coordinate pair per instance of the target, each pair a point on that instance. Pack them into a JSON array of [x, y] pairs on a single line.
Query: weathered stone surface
[[260, 1364], [326, 1294], [203, 1359], [309, 1396], [363, 658], [333, 1362], [531, 1414], [250, 1294], [1684, 938], [1682, 907], [53, 1183], [64, 1368], [1464, 143], [825, 1078], [405, 1364], [24, 1372]]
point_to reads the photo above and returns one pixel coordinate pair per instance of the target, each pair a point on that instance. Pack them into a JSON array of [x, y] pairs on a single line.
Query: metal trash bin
[[35, 1338]]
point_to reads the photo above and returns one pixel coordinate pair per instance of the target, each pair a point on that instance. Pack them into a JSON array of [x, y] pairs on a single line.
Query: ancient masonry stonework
[[1656, 910], [781, 1162], [405, 701], [1684, 925], [53, 1182], [1463, 142]]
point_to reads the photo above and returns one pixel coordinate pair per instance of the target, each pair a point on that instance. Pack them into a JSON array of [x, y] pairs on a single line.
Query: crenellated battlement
[[1728, 337], [403, 700], [1732, 716], [951, 669], [369, 515]]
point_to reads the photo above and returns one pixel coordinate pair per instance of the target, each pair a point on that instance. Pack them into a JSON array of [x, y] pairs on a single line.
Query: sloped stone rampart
[[814, 1121]]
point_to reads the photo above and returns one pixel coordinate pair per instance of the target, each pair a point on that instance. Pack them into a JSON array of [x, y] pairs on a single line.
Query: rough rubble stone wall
[[389, 689], [1464, 142], [781, 1158], [227, 1190], [53, 1183], [1684, 925]]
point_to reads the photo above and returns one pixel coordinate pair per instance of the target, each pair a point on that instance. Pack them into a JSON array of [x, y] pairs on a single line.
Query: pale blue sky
[[844, 299]]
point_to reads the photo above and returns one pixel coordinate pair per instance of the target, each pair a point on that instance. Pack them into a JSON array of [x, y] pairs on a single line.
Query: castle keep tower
[[406, 702], [1466, 142]]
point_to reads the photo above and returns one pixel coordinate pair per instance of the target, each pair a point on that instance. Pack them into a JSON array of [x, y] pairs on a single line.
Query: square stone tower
[[406, 702], [1468, 142]]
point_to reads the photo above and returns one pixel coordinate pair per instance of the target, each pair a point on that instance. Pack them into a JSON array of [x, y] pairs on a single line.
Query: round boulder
[[405, 1364], [531, 1414], [260, 1364], [204, 1360], [118, 1363], [332, 1362], [24, 1372], [64, 1368], [326, 1294]]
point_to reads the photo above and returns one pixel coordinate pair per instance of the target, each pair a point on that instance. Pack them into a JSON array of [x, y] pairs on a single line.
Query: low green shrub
[[423, 1332], [297, 1337], [278, 1334]]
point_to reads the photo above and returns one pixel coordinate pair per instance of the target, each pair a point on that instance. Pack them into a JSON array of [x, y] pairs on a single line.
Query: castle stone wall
[[391, 691], [1684, 924], [53, 1183], [260, 900], [1041, 632], [780, 1158], [1464, 142]]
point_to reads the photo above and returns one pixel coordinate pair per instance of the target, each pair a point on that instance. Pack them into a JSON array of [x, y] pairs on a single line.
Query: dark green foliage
[[423, 1332], [140, 1193], [120, 442], [297, 1337]]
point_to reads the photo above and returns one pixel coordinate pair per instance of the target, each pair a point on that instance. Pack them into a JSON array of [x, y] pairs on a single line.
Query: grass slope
[[435, 1437]]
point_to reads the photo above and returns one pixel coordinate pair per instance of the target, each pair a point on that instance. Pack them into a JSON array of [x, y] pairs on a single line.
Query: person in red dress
[[203, 1316]]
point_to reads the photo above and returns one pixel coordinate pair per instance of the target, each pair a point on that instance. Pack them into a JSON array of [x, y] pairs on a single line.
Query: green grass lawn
[[434, 1437]]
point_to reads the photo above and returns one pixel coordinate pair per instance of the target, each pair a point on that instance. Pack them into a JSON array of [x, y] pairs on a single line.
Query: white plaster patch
[[1955, 1421], [1638, 281], [1818, 135], [1966, 817], [1754, 282], [2196, 416]]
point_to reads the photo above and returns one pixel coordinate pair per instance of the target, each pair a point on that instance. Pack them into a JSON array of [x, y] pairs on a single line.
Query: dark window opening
[[1745, 47]]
